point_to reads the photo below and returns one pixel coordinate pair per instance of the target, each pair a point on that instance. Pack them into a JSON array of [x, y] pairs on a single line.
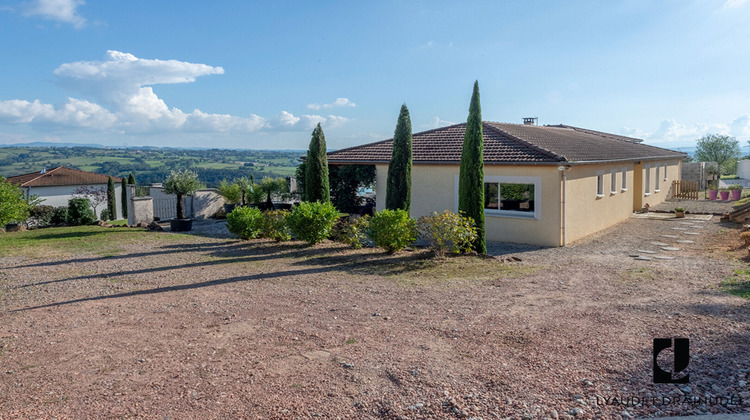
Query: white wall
[[58, 196]]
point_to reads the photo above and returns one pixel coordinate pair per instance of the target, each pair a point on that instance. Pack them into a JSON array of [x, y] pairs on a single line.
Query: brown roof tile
[[60, 176], [511, 143]]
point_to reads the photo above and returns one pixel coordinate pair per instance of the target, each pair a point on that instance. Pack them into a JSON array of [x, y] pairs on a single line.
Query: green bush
[[392, 229], [79, 212], [60, 215], [447, 232], [312, 222], [104, 216], [13, 207], [245, 222], [274, 225], [42, 215], [352, 232]]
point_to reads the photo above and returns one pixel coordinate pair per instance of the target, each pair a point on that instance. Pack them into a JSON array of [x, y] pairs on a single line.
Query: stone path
[[666, 246]]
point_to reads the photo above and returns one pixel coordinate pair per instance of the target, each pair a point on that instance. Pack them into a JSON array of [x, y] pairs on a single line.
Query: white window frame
[[600, 184], [624, 186], [656, 179], [534, 180], [647, 179], [613, 182]]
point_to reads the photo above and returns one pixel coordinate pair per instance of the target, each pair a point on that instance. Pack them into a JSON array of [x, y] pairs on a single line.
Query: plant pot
[[712, 194], [736, 194], [679, 214], [724, 195], [181, 225], [229, 207]]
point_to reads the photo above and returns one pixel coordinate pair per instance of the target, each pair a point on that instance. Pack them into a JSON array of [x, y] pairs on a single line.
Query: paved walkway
[[701, 206], [671, 238]]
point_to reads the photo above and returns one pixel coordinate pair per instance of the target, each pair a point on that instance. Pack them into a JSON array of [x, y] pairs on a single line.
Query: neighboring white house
[[58, 185]]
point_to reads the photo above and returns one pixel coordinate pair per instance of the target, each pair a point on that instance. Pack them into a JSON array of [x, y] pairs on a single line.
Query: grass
[[68, 241], [738, 284]]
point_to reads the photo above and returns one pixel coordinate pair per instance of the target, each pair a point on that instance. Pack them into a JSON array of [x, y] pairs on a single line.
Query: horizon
[[90, 73]]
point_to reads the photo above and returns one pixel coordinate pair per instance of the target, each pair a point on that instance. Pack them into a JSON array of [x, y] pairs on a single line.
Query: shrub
[[734, 187], [79, 212], [42, 215], [745, 236], [245, 222], [392, 229], [679, 209], [231, 192], [447, 232], [274, 225], [104, 216], [352, 232], [60, 215], [13, 208], [312, 222]]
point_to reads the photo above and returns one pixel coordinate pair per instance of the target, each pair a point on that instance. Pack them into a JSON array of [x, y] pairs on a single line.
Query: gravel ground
[[702, 206], [217, 328]]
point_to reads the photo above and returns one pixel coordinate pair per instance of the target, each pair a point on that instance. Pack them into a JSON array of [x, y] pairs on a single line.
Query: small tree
[[131, 179], [182, 183], [124, 197], [398, 189], [471, 177], [96, 196], [316, 169], [724, 150], [13, 207], [111, 203], [271, 186]]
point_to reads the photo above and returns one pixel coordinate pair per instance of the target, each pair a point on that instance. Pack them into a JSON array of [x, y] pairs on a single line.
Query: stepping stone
[[663, 257], [686, 223], [670, 248], [691, 233], [645, 251], [670, 236], [643, 258], [676, 228], [684, 241], [659, 243]]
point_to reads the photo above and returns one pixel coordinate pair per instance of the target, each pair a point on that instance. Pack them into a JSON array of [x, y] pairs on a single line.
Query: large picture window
[[509, 196]]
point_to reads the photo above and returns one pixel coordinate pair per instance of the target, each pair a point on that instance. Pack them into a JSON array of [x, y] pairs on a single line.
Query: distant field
[[152, 165]]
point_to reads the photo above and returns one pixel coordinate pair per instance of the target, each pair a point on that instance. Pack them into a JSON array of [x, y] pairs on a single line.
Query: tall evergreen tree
[[124, 197], [131, 179], [398, 188], [111, 203], [316, 169], [471, 178]]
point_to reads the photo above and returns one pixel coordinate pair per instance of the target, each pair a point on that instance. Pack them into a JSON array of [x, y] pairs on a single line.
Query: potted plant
[[736, 190], [724, 193], [712, 171], [679, 212], [181, 183], [232, 194]]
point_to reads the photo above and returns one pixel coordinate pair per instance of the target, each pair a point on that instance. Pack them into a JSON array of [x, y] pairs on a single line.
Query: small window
[[509, 197], [624, 179], [613, 182], [665, 171], [647, 170], [656, 180], [600, 185]]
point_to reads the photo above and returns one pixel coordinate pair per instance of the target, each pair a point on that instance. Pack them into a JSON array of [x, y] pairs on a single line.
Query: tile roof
[[511, 143], [60, 176]]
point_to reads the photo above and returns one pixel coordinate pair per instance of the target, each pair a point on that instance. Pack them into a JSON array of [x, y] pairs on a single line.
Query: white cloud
[[57, 10], [122, 82], [671, 132], [338, 103], [734, 4], [437, 123]]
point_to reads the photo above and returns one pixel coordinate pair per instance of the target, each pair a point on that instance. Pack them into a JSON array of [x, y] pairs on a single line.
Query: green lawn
[[738, 285], [68, 241]]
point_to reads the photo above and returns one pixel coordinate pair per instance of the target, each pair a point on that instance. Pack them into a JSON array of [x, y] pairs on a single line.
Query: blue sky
[[245, 74]]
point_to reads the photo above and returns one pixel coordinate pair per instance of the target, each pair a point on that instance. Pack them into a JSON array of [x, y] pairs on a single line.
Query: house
[[58, 185], [544, 185]]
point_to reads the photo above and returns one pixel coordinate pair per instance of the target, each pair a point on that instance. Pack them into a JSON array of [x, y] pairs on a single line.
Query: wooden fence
[[685, 190]]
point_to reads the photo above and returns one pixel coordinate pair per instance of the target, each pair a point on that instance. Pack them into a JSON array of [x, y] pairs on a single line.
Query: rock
[[155, 227], [686, 389], [142, 225], [553, 414], [742, 383], [575, 411], [347, 365]]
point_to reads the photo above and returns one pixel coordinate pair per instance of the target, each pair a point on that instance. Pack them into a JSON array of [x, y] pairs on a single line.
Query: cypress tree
[[398, 189], [131, 179], [124, 197], [316, 169], [471, 177], [111, 204]]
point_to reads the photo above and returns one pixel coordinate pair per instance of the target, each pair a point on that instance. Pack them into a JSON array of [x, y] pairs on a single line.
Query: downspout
[[563, 170]]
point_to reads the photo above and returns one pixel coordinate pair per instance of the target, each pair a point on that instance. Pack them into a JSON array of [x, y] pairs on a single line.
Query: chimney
[[530, 120]]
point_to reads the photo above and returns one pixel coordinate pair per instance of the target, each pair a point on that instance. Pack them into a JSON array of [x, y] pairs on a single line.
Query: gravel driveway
[[210, 327]]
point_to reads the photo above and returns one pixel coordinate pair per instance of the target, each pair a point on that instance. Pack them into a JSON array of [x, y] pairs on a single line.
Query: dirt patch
[[218, 328]]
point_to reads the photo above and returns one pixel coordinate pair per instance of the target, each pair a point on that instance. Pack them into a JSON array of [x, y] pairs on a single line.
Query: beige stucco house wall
[[568, 203]]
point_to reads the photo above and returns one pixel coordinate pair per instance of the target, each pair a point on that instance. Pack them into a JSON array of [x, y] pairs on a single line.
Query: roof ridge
[[41, 174], [391, 138], [524, 142]]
